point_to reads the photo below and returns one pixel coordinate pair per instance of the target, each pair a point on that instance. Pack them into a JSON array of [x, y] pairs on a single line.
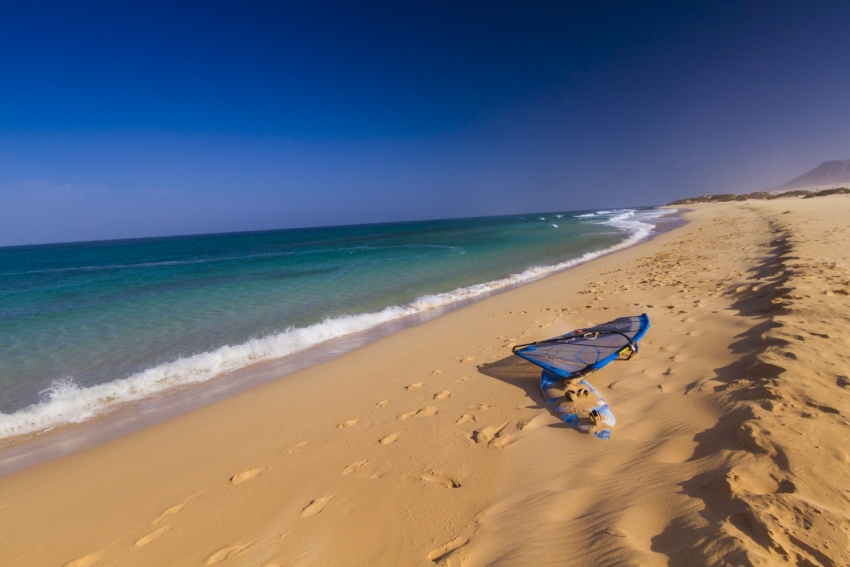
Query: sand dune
[[433, 446]]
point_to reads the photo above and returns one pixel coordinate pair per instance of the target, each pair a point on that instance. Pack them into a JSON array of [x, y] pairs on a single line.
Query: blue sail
[[580, 352]]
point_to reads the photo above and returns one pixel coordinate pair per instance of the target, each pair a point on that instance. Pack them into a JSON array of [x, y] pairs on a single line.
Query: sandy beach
[[432, 445]]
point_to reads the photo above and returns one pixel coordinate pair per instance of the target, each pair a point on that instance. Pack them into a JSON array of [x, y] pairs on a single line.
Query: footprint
[[481, 407], [441, 478], [226, 552], [363, 469], [415, 386], [438, 372], [421, 412], [316, 506], [172, 510], [462, 379], [468, 359], [349, 423], [447, 548], [302, 444], [246, 475], [143, 541], [86, 561], [502, 441], [389, 439], [533, 423], [382, 403], [464, 418], [487, 434], [355, 466], [442, 395]]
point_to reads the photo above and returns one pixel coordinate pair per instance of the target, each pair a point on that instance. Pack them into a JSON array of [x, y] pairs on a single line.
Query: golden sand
[[432, 446]]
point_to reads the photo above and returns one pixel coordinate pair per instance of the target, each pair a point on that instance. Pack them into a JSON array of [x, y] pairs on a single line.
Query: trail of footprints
[[492, 435]]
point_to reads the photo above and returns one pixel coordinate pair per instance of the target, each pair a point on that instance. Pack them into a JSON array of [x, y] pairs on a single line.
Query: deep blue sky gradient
[[172, 118]]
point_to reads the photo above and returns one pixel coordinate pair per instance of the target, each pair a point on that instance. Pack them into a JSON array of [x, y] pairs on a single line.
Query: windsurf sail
[[583, 351]]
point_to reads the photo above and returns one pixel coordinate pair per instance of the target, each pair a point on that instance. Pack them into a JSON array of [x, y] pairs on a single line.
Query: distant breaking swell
[[65, 402]]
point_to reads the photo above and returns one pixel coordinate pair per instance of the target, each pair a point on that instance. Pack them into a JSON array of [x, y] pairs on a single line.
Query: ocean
[[88, 328]]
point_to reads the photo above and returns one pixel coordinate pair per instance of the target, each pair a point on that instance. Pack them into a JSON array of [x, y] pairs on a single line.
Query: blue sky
[[172, 118]]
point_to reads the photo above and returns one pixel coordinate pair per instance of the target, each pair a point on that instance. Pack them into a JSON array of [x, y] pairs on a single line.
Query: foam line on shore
[[66, 402]]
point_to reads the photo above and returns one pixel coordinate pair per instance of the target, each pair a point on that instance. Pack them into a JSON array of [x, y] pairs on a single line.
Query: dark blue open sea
[[88, 327]]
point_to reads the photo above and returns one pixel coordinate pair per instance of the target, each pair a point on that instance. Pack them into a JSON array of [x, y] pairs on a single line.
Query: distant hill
[[827, 174]]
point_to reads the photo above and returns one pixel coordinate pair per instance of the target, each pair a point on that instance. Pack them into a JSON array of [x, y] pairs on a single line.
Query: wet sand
[[432, 445]]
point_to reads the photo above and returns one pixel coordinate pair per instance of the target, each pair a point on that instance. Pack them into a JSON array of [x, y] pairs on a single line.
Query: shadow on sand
[[526, 376], [517, 372], [682, 541]]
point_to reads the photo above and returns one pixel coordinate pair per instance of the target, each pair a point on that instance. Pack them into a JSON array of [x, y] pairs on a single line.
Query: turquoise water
[[87, 327]]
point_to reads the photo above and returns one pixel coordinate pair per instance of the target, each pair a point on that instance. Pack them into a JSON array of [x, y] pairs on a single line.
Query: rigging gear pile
[[566, 361]]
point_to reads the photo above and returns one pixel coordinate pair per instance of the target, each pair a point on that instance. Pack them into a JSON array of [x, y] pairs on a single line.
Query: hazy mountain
[[827, 174]]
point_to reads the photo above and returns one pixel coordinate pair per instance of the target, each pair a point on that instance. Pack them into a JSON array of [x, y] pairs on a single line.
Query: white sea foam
[[66, 402]]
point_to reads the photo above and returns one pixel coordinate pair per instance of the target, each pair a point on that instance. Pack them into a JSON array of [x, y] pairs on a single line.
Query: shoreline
[[432, 446], [27, 449]]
